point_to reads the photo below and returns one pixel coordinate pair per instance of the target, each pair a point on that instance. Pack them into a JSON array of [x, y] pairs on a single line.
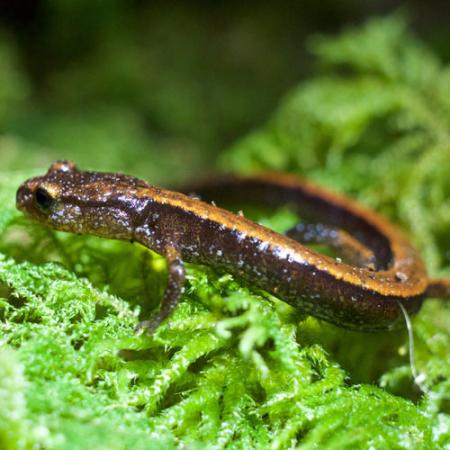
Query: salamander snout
[[24, 197]]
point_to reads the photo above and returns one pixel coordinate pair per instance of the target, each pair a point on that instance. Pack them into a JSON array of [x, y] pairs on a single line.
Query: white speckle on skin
[[282, 253], [241, 236]]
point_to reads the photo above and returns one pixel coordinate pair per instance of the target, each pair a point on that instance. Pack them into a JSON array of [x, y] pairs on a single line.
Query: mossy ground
[[233, 367]]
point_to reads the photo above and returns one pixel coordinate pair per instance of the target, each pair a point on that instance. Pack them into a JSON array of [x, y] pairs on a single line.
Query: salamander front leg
[[173, 293]]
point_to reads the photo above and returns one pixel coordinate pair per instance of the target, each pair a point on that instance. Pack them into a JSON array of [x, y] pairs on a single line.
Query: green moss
[[234, 367]]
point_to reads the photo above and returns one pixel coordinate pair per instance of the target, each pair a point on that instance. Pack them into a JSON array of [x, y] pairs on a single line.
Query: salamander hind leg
[[172, 295], [346, 245]]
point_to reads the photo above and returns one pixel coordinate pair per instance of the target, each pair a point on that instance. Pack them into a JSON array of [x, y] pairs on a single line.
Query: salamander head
[[68, 199]]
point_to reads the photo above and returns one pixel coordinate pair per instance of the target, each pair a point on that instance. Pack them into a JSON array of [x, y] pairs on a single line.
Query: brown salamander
[[364, 295]]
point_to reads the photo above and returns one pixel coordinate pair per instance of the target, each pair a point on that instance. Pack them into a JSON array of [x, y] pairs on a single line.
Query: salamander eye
[[43, 198]]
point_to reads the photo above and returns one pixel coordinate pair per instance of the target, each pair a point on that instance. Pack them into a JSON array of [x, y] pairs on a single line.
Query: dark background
[[191, 77]]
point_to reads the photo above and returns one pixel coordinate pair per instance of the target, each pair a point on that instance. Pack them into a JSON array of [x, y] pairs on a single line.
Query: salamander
[[361, 291]]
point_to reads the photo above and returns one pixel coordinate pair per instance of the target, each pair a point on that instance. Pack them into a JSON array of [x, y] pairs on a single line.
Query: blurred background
[[161, 89]]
